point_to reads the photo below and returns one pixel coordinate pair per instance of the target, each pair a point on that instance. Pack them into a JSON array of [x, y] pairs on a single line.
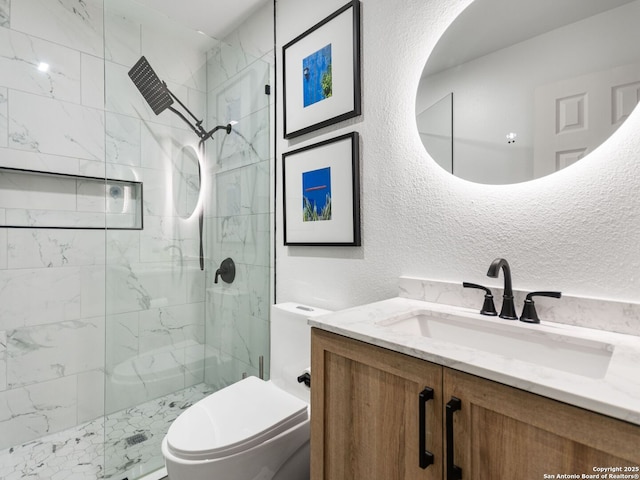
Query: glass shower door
[[174, 335], [239, 216], [155, 289]]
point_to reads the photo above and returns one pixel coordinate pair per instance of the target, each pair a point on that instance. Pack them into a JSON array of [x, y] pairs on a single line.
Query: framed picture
[[321, 73], [321, 193]]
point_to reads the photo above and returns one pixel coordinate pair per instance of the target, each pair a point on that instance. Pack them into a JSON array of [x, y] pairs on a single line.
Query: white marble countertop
[[616, 391]]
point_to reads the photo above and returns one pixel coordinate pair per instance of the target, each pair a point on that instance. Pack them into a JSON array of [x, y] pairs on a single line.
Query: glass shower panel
[[173, 335], [51, 279], [238, 216], [155, 290]]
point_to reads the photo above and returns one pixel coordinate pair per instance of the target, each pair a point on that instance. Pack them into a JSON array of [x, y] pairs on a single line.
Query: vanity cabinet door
[[501, 432], [365, 404]]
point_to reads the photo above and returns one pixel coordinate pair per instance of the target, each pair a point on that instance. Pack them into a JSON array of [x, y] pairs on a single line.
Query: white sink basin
[[508, 338]]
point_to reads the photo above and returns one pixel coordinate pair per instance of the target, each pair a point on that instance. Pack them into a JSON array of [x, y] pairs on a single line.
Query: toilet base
[[297, 467]]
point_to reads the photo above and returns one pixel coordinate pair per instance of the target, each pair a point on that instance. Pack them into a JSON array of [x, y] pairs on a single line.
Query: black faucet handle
[[529, 313], [475, 285], [544, 294], [488, 308]]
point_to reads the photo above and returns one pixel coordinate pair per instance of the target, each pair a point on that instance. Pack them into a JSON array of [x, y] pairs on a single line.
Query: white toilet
[[253, 429]]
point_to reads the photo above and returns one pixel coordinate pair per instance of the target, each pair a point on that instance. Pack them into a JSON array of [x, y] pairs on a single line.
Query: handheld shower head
[[154, 91]]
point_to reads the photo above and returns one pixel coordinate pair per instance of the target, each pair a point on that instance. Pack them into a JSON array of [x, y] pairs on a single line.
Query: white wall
[[576, 231]]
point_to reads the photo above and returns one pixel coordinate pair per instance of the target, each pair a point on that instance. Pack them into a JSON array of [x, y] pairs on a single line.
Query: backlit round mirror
[[519, 89]]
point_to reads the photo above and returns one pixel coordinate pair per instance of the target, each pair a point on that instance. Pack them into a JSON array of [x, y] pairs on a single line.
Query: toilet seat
[[234, 419]]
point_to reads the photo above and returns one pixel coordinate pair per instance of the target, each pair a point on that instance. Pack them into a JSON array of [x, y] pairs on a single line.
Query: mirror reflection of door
[[185, 181], [574, 116]]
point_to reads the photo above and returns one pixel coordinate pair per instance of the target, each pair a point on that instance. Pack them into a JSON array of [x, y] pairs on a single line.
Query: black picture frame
[[322, 87], [314, 177]]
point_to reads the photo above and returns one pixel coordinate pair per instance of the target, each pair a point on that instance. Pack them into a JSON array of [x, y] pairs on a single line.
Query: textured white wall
[[577, 231]]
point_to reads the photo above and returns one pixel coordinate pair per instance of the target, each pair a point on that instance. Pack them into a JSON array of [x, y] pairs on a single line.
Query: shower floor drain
[[135, 439]]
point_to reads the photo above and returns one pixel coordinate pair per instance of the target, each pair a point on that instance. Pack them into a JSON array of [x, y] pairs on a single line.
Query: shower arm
[[199, 131], [197, 128], [210, 133]]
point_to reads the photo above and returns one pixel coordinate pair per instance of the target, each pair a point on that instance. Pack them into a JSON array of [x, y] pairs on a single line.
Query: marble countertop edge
[[616, 394]]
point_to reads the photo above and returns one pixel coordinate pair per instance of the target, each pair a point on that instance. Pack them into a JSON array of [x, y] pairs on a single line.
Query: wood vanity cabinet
[[369, 405]]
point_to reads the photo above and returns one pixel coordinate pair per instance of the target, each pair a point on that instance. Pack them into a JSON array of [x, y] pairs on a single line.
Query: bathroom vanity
[[393, 402]]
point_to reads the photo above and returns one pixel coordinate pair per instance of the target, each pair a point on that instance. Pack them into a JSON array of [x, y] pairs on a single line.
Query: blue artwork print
[[316, 195], [316, 76]]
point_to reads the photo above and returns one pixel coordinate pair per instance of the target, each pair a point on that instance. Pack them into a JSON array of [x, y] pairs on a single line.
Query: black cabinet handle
[[426, 457], [453, 471]]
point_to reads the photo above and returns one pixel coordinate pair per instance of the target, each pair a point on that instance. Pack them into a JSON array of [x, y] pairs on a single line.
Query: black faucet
[[508, 310]]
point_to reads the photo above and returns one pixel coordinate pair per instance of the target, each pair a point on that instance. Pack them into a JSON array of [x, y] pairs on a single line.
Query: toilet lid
[[234, 419]]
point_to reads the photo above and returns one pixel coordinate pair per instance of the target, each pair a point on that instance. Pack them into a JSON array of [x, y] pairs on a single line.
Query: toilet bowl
[[253, 429]]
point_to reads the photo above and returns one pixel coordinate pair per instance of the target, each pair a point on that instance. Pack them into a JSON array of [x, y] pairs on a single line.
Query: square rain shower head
[[151, 87]]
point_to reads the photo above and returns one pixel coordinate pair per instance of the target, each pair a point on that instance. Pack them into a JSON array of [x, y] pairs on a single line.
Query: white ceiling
[[215, 18]]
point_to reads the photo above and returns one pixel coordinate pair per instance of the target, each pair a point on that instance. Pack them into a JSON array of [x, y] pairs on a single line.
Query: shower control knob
[[227, 271]]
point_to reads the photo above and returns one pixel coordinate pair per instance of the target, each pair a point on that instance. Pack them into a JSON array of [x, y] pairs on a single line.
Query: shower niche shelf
[[36, 199]]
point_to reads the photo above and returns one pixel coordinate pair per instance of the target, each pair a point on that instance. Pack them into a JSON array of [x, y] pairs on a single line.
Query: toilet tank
[[291, 345]]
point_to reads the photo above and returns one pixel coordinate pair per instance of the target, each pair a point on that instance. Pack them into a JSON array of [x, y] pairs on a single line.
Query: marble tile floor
[[132, 447]]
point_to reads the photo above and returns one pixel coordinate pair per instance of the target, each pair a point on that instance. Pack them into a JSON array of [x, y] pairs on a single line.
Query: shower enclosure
[[109, 328]]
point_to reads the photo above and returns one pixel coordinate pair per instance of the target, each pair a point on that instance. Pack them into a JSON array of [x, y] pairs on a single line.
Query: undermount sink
[[509, 339]]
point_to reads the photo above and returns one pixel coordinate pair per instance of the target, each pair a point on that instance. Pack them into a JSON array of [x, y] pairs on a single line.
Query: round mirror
[[186, 182], [518, 89]]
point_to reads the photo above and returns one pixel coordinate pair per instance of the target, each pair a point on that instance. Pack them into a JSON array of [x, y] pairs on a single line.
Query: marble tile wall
[[62, 81], [84, 117], [77, 25], [4, 12], [48, 125], [51, 281]]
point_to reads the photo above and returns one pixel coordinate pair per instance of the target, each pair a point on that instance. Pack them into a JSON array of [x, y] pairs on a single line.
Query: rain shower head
[[160, 98], [154, 91]]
